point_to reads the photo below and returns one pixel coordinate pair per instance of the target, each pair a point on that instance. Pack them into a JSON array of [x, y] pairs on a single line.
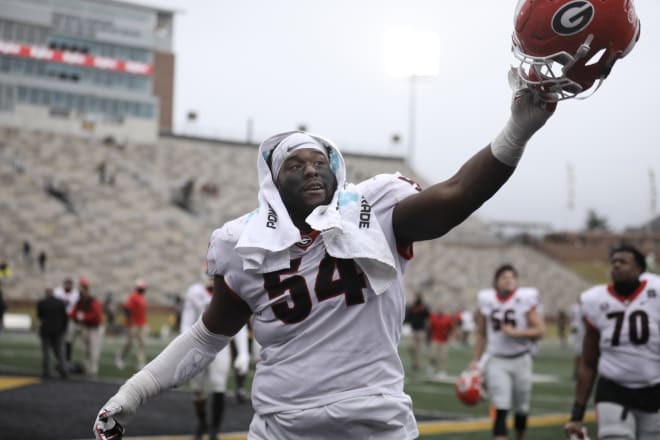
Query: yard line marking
[[485, 424], [425, 428], [9, 382]]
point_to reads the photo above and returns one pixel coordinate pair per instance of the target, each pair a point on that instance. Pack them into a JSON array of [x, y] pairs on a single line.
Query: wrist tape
[[508, 146], [577, 413]]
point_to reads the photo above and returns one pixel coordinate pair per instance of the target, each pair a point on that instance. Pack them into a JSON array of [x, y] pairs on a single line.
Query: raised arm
[[434, 211]]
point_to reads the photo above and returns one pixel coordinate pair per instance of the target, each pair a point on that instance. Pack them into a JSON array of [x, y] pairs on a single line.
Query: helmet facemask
[[550, 76]]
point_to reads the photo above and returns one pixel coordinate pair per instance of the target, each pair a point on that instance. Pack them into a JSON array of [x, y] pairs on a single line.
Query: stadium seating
[[114, 233]]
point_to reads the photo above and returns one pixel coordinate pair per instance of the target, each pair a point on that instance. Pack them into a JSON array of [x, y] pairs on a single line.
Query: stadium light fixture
[[411, 53]]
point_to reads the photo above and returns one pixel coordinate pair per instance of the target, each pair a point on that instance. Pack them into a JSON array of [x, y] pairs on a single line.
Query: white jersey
[[70, 298], [196, 300], [511, 310], [325, 334], [577, 320], [467, 321], [577, 327], [629, 330]]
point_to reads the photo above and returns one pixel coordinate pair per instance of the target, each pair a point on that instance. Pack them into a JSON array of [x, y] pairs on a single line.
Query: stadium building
[[95, 68]]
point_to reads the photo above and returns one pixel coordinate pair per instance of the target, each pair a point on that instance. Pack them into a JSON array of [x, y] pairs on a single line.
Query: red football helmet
[[565, 46], [469, 388]]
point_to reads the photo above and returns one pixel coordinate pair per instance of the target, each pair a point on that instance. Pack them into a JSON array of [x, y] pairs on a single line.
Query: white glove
[[107, 425], [242, 363], [528, 114]]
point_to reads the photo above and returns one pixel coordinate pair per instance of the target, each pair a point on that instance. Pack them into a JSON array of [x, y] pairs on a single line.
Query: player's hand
[[574, 430], [114, 415], [509, 330], [106, 425], [242, 363], [528, 114]]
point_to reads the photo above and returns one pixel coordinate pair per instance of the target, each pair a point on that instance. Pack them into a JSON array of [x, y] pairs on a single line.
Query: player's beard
[[625, 288]]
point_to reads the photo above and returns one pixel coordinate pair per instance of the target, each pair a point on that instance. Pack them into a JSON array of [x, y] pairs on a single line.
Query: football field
[[440, 414]]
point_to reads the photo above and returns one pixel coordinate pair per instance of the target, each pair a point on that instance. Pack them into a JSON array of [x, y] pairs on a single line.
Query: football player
[[509, 323], [622, 347], [320, 264], [213, 379]]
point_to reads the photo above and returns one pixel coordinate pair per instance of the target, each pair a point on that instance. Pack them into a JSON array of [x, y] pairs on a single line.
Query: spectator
[[27, 253], [441, 326], [101, 170], [88, 314], [5, 271], [3, 307], [417, 316], [136, 325], [70, 296], [53, 319], [178, 308], [109, 312], [562, 324], [42, 258]]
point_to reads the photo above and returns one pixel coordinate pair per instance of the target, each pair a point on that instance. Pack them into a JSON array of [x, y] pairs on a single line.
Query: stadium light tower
[[411, 53], [653, 194]]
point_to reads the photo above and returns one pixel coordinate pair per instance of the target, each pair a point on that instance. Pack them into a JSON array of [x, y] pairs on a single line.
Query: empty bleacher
[[128, 226]]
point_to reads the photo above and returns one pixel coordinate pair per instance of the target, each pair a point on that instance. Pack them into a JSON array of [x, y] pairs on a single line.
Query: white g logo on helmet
[[572, 17]]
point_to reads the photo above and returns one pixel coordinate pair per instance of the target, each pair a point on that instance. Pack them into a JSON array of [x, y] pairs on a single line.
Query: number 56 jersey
[[511, 310], [629, 330]]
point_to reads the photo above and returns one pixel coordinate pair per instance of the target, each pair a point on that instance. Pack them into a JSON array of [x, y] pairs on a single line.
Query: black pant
[[54, 343]]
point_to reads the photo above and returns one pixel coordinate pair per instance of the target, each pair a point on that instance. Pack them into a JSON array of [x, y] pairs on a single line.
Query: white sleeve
[[188, 354], [191, 309]]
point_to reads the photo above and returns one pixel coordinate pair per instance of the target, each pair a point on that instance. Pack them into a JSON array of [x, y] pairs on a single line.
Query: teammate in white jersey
[[577, 334], [213, 379], [320, 264], [622, 347], [509, 324]]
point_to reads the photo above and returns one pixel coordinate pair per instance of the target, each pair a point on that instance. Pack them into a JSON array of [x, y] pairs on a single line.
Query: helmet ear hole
[[595, 58]]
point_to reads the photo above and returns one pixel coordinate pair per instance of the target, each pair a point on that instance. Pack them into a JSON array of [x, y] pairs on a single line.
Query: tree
[[595, 222]]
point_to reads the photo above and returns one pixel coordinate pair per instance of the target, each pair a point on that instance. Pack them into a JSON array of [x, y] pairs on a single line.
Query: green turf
[[21, 352]]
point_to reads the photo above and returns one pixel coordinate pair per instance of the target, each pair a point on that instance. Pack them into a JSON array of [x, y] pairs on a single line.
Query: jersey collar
[[307, 239], [504, 299], [629, 298]]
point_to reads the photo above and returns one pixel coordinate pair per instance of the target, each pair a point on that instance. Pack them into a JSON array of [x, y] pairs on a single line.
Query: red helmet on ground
[[469, 388], [566, 46]]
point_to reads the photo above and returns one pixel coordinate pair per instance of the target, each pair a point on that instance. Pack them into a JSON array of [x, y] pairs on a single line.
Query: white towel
[[269, 232]]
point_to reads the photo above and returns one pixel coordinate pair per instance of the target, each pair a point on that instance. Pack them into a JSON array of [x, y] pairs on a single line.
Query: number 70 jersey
[[629, 330]]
